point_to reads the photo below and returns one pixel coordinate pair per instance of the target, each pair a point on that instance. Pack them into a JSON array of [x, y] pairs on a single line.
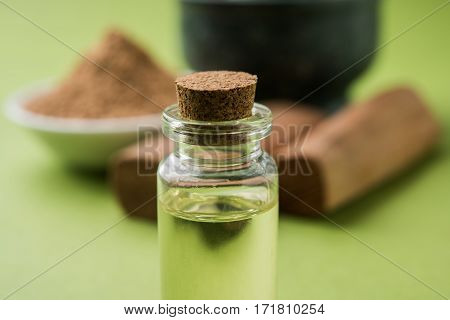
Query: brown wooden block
[[355, 150], [133, 175]]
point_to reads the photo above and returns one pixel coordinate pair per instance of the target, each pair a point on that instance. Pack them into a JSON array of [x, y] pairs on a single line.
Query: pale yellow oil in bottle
[[214, 245]]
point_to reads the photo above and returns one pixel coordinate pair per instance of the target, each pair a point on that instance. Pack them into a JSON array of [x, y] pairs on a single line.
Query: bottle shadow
[[92, 176]]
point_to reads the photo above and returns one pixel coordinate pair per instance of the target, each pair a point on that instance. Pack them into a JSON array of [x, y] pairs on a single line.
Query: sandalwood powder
[[116, 78]]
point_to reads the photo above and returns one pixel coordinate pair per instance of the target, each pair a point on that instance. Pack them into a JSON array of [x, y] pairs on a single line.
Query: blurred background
[[49, 214]]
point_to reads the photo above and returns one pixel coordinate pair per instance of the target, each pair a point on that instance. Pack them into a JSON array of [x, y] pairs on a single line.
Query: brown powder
[[118, 79], [216, 95]]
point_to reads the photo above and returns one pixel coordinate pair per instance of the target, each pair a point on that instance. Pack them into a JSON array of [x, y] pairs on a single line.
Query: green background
[[46, 212]]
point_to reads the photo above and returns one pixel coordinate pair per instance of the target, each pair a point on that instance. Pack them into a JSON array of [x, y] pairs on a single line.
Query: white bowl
[[83, 143]]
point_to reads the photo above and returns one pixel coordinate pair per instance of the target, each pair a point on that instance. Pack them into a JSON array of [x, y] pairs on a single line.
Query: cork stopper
[[216, 95]]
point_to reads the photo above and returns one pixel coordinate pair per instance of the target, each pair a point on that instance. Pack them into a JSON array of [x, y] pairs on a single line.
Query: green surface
[[46, 212]]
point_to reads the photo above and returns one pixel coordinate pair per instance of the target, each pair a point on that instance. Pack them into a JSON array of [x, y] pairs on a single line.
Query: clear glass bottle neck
[[218, 156], [217, 144]]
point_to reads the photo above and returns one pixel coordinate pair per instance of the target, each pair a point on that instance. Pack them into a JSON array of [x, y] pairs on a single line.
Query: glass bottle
[[218, 209]]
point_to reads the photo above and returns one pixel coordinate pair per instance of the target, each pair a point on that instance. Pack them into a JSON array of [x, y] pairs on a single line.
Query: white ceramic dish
[[83, 143]]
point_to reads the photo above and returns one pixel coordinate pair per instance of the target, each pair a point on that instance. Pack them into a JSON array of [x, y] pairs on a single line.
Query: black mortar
[[293, 46]]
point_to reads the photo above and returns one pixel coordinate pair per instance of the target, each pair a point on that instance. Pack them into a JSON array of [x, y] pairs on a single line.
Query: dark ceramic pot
[[294, 46]]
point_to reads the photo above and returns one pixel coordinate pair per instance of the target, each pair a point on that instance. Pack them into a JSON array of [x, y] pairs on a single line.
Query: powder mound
[[117, 79], [216, 95]]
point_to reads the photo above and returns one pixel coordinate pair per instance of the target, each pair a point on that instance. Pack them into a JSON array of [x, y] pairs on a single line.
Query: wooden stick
[[355, 150], [133, 176]]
